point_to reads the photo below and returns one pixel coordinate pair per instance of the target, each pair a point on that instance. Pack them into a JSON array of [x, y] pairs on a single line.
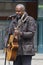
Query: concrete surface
[[36, 60]]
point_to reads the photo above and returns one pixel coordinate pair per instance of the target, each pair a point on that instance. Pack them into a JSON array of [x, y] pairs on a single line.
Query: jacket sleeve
[[11, 28], [8, 31], [31, 28]]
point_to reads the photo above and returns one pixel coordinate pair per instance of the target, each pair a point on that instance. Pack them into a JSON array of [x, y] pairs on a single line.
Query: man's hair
[[22, 6]]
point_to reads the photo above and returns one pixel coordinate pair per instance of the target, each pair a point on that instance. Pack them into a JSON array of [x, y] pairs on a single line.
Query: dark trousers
[[23, 60]]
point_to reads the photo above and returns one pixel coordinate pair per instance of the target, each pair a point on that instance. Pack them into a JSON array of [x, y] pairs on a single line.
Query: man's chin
[[18, 16]]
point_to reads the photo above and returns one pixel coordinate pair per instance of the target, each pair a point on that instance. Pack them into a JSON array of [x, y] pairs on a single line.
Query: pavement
[[36, 60], [2, 59]]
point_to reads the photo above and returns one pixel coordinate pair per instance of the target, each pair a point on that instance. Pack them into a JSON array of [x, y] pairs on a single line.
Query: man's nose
[[17, 12]]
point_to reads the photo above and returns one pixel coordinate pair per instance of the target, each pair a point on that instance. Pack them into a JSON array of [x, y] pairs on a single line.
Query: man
[[25, 34]]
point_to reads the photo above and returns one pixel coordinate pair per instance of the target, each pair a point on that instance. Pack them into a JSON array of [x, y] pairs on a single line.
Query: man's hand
[[16, 31]]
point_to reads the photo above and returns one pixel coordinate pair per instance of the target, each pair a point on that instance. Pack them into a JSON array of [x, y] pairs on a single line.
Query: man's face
[[19, 11]]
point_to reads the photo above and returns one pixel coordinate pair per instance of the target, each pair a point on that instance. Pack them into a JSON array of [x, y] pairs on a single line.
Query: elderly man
[[25, 34]]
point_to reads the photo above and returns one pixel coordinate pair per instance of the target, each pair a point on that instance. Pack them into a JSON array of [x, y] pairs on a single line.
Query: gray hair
[[22, 6]]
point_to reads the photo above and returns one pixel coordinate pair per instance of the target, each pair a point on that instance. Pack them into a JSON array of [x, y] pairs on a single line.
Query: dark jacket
[[28, 28]]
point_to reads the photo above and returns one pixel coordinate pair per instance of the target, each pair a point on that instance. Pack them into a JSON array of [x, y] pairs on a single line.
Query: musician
[[25, 34]]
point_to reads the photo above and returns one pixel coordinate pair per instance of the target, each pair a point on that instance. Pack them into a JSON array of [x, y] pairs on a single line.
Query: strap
[[25, 19], [21, 21]]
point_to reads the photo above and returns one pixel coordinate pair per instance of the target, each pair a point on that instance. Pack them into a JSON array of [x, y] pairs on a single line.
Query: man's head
[[20, 9]]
